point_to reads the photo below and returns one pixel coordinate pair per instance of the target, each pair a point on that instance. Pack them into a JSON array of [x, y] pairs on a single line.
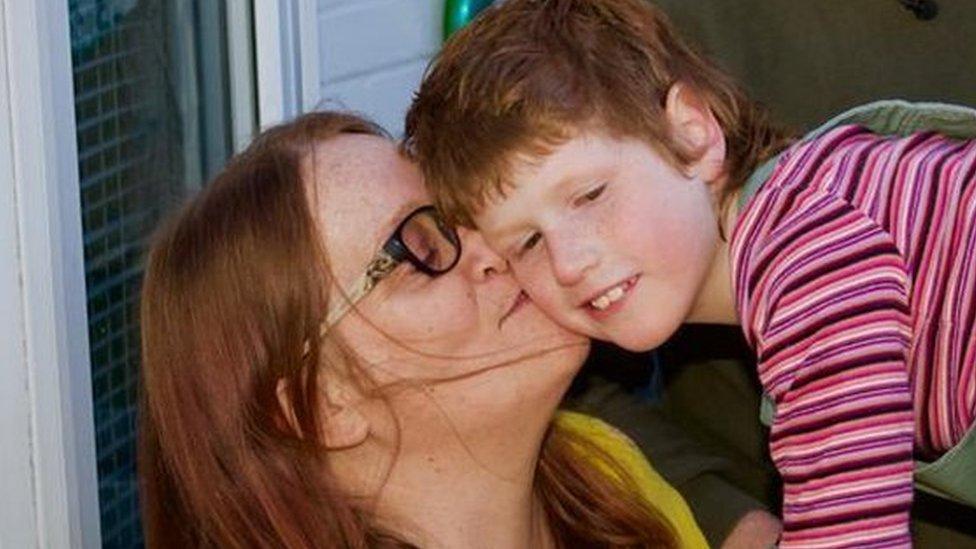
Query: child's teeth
[[606, 299]]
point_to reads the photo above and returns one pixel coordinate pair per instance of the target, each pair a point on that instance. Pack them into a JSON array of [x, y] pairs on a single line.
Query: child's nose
[[570, 259]]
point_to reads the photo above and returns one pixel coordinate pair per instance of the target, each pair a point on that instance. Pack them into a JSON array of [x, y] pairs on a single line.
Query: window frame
[[287, 57], [58, 501], [48, 473]]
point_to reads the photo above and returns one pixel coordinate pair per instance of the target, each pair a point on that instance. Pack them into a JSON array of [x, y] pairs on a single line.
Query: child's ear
[[342, 425], [694, 126]]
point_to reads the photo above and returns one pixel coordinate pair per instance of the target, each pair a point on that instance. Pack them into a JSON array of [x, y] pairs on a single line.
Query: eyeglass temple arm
[[381, 266], [344, 303]]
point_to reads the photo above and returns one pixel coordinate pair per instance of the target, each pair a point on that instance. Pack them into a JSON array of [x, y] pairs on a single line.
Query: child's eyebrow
[[578, 174], [508, 231], [574, 179], [508, 228]]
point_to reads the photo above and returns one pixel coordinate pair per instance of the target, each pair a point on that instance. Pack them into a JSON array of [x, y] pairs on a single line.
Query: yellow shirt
[[655, 490]]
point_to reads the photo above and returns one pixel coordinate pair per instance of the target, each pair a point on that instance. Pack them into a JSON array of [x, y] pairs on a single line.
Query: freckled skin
[[413, 331], [648, 220]]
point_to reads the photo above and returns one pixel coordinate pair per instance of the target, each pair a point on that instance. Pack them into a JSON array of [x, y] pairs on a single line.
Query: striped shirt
[[854, 270]]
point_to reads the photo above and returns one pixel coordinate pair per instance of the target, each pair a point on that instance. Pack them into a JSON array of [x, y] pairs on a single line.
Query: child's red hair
[[527, 74]]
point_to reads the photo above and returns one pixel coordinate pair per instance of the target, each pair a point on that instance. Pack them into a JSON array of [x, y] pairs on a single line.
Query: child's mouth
[[610, 299]]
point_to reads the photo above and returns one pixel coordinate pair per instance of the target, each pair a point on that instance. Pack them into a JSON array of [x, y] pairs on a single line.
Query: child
[[632, 187]]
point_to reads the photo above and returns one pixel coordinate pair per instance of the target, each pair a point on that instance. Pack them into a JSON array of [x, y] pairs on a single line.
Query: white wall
[[372, 54]]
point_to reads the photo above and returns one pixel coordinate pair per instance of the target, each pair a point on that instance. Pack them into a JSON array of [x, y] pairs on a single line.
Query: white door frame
[[48, 476], [287, 58], [48, 429], [241, 66]]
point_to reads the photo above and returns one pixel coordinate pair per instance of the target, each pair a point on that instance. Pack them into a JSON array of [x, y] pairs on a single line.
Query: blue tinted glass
[[150, 129]]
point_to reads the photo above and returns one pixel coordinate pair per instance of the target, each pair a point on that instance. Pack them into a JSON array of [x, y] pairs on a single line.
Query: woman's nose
[[478, 259]]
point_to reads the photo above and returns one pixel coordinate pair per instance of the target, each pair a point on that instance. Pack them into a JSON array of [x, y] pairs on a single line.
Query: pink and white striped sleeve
[[832, 331]]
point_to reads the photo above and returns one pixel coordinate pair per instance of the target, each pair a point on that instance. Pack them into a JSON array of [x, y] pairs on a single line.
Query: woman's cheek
[[444, 329]]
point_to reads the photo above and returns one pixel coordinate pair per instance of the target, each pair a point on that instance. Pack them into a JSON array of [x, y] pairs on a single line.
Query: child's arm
[[832, 332], [756, 529]]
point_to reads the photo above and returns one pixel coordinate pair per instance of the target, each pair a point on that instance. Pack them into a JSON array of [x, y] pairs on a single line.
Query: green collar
[[889, 117]]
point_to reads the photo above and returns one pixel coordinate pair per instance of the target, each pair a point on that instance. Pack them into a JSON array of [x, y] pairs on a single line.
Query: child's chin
[[634, 347], [636, 343]]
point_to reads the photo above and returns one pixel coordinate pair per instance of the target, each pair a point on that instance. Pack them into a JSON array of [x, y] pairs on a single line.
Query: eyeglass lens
[[425, 236]]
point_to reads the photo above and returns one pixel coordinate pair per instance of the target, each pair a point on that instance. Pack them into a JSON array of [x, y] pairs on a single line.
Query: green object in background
[[458, 13]]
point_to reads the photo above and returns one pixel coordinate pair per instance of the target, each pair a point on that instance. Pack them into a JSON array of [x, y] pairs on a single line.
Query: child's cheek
[[535, 280], [604, 219]]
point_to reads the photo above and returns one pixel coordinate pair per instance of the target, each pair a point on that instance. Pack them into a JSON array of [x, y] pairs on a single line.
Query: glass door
[[159, 108]]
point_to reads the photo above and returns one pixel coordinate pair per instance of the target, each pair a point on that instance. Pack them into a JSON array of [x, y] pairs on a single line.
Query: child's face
[[607, 237]]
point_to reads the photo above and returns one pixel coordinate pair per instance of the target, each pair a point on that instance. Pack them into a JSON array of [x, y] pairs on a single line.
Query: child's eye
[[590, 195], [529, 243]]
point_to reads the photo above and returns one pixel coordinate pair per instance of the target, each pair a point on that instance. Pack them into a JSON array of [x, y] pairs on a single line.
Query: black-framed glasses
[[422, 238]]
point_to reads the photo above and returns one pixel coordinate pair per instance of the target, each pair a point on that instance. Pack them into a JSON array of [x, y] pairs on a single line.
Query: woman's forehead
[[360, 185], [364, 172]]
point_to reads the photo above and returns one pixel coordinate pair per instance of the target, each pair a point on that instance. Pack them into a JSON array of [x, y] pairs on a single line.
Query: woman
[[326, 364]]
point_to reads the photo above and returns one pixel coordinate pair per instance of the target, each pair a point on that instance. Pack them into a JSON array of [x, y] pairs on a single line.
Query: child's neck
[[715, 303]]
